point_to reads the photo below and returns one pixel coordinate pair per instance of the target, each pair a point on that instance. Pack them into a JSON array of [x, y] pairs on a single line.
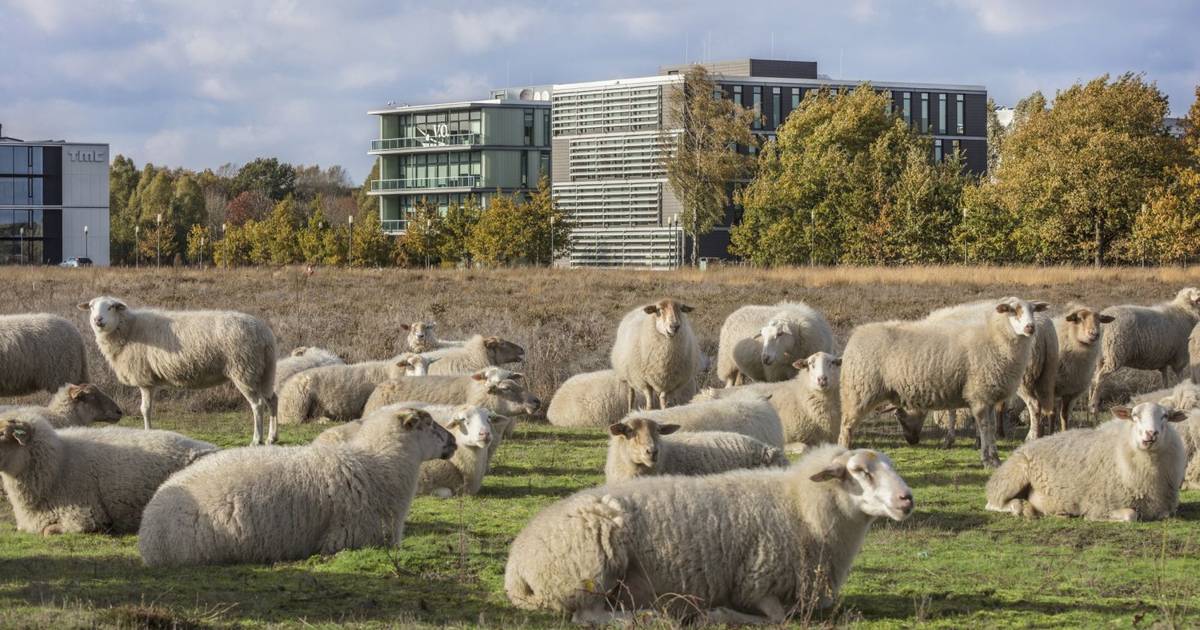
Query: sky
[[201, 84]]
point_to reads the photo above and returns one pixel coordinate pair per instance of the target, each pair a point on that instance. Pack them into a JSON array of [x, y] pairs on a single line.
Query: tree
[[199, 244], [312, 239], [422, 236], [268, 176], [995, 136], [456, 228], [703, 162], [510, 232], [280, 231], [187, 207], [371, 247], [122, 181], [246, 206]]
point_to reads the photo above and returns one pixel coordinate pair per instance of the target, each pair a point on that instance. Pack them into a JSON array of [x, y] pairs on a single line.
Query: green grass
[[950, 565]]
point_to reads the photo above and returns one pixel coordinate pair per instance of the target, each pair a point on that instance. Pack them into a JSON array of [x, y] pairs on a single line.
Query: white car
[[76, 262]]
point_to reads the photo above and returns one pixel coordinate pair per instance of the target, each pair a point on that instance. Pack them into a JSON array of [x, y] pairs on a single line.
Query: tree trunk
[[695, 239], [1099, 244]]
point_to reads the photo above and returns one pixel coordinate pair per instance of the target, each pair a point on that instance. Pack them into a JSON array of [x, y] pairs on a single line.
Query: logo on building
[[86, 155]]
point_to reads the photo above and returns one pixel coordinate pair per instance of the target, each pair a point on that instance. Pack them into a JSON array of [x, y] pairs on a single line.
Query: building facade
[[608, 138], [445, 153], [53, 202]]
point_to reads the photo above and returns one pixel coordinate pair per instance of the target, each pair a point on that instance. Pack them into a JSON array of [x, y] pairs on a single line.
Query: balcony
[[460, 181], [427, 142], [394, 225]]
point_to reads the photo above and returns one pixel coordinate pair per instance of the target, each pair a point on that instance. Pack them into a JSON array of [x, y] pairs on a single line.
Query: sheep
[[734, 546], [1183, 397], [751, 415], [655, 352], [83, 479], [920, 366], [337, 392], [1194, 354], [303, 358], [77, 406], [291, 502], [505, 396], [598, 399], [150, 349], [808, 405], [423, 338], [762, 342], [1147, 338], [1078, 351], [1127, 469], [476, 353], [39, 352], [640, 447]]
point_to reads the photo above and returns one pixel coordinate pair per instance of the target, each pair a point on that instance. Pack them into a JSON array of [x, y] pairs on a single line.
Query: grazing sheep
[[1126, 469], [1147, 338], [1183, 397], [740, 547], [77, 406], [303, 358], [504, 397], [640, 447], [762, 342], [290, 502], [1078, 335], [808, 405], [39, 352], [1194, 354], [150, 349], [337, 392], [656, 352], [476, 353], [84, 479], [751, 415], [925, 365], [598, 399]]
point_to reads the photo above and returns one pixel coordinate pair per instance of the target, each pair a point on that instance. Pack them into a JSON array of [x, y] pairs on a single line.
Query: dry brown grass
[[565, 318]]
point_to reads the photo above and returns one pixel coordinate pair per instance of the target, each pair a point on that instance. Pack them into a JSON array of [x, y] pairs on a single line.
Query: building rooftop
[[529, 96]]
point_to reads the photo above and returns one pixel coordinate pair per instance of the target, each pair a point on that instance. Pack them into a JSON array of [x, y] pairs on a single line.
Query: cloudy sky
[[198, 84]]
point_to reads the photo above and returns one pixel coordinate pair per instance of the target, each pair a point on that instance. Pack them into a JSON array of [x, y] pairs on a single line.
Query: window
[[924, 112], [546, 127], [941, 113], [776, 107], [756, 105], [797, 95], [524, 169], [958, 118], [529, 127], [543, 165], [937, 150], [906, 107], [737, 95]]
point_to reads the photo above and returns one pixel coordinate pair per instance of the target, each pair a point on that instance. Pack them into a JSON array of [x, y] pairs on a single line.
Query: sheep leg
[[147, 406], [258, 408], [1166, 376], [1102, 371], [1034, 408], [662, 400], [1064, 411], [730, 617], [648, 394], [631, 398], [985, 420], [951, 428]]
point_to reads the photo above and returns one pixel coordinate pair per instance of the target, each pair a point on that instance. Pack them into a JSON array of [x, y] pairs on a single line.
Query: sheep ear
[[1003, 308], [456, 421], [75, 391], [837, 361], [833, 471], [1106, 319], [685, 308], [405, 327], [1074, 317], [491, 342], [1124, 413], [1176, 416], [84, 306], [800, 364], [650, 309], [1038, 307], [619, 429], [412, 418], [668, 429], [479, 376]]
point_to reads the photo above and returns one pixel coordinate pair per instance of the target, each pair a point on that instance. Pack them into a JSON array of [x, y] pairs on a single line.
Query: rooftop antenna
[[772, 44]]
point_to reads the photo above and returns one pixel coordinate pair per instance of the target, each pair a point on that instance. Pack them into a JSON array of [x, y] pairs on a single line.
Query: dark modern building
[[608, 137]]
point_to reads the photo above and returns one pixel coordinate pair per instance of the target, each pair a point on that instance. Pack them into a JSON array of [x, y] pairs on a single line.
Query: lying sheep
[[1126, 469], [476, 353], [1147, 338], [39, 352], [640, 447], [762, 342], [598, 399], [504, 397], [1183, 397], [303, 358], [290, 502], [750, 415], [920, 366], [422, 337], [808, 405], [741, 547], [77, 406], [1078, 335], [337, 392], [656, 352], [1194, 354], [150, 349], [84, 479]]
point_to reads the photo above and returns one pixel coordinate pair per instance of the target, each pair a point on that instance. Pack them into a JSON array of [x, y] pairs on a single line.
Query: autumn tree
[[512, 230], [122, 181], [268, 176], [456, 227], [280, 230], [199, 244], [422, 236], [246, 206], [371, 247]]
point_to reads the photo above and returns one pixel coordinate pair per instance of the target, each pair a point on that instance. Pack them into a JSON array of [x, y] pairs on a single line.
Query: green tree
[[122, 181], [422, 236], [371, 247], [280, 229], [268, 176], [456, 228], [703, 162], [995, 136], [199, 244], [511, 231], [313, 238], [187, 207]]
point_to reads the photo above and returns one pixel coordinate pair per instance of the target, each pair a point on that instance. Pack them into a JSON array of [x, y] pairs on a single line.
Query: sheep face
[[106, 313], [872, 483], [1085, 325], [94, 405], [436, 442], [668, 316], [414, 364], [514, 398], [493, 374], [777, 340], [822, 368], [15, 436], [300, 351], [640, 438], [501, 351], [1189, 297], [1020, 314], [471, 426], [1148, 422], [420, 334]]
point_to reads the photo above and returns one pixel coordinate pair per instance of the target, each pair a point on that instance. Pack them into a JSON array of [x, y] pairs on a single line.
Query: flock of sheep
[[702, 515]]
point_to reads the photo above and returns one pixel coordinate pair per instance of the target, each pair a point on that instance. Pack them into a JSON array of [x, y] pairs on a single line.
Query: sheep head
[[1148, 423], [871, 482], [1020, 314], [95, 404], [420, 335], [501, 351], [436, 441], [823, 370], [668, 315], [1085, 324], [15, 435], [777, 339], [1189, 297], [471, 426], [640, 439], [514, 398], [106, 313]]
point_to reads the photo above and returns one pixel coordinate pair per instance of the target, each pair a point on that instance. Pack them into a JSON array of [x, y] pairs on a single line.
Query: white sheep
[[150, 349], [504, 396], [288, 503], [422, 337], [77, 406], [476, 353], [640, 447], [598, 399], [1127, 469], [337, 392], [1147, 338], [750, 415], [1078, 335], [655, 352], [39, 352], [303, 358], [85, 479], [1194, 354], [808, 405], [1183, 397], [921, 366], [740, 547], [762, 342]]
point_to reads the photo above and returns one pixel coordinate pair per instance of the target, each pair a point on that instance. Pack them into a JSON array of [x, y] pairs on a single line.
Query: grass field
[[950, 565]]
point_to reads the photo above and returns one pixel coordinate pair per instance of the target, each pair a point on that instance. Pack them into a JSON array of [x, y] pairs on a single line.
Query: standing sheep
[[640, 447], [750, 414], [1126, 469], [598, 399], [337, 392], [77, 406], [303, 358], [656, 352], [39, 352], [762, 342], [84, 479], [1078, 335], [476, 353], [920, 366], [1147, 338], [150, 349], [739, 547], [290, 502]]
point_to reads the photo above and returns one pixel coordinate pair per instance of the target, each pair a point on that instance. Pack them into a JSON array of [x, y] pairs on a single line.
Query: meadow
[[950, 565]]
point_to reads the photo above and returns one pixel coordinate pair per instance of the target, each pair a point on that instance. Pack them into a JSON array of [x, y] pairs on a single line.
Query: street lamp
[[158, 242], [552, 241], [350, 249], [85, 241], [137, 254], [225, 245], [22, 241]]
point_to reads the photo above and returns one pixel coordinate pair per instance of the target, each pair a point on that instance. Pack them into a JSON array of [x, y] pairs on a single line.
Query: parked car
[[76, 262]]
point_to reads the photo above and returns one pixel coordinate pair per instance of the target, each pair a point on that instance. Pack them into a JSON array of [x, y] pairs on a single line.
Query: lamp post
[[551, 241], [22, 242], [350, 248], [158, 242], [85, 241], [225, 245]]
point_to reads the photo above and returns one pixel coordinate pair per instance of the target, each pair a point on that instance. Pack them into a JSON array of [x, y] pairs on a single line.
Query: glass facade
[[924, 112], [756, 105], [796, 96], [958, 118], [776, 107], [906, 106], [941, 113], [937, 150], [433, 129], [529, 127]]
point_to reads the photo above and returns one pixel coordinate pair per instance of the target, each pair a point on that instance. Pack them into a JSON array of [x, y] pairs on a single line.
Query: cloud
[[481, 30], [641, 23], [1022, 16]]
